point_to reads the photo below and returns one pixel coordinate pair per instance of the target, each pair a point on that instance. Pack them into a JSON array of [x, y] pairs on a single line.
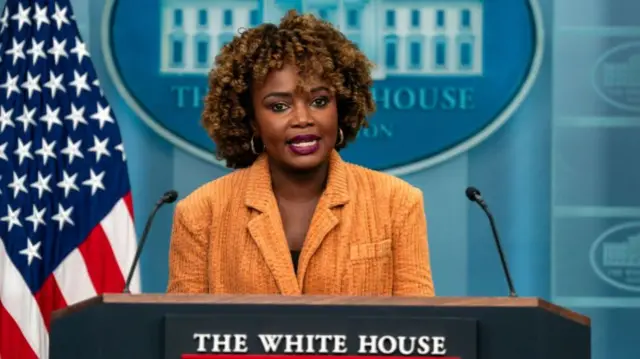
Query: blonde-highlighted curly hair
[[315, 48]]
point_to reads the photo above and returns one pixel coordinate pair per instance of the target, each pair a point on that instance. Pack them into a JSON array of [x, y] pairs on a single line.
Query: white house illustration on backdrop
[[622, 74], [404, 38], [622, 254]]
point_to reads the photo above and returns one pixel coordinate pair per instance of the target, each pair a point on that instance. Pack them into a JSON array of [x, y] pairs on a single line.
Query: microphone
[[168, 197], [474, 196]]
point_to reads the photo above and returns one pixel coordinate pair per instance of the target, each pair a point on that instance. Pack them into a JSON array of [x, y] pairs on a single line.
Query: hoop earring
[[253, 147], [340, 137]]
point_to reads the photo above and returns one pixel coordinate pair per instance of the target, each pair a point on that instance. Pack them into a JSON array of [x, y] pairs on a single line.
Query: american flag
[[66, 217]]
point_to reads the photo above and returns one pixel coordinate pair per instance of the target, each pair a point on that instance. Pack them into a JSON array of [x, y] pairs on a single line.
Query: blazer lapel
[[325, 219], [266, 228]]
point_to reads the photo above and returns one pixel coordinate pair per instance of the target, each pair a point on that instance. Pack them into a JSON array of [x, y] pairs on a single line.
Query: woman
[[294, 218]]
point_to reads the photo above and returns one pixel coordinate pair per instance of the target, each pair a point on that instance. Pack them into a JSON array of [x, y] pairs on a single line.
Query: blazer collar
[[260, 194], [266, 227]]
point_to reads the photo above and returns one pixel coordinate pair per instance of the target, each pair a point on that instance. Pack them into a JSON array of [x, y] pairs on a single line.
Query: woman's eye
[[278, 107], [320, 102]]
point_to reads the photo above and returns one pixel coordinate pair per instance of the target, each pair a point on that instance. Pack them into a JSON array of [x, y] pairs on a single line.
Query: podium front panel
[[166, 330]]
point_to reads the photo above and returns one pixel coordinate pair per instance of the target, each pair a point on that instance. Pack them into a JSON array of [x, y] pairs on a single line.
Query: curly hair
[[315, 47]]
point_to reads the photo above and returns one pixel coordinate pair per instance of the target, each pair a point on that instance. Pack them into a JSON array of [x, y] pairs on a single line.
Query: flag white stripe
[[119, 228], [73, 279], [18, 301]]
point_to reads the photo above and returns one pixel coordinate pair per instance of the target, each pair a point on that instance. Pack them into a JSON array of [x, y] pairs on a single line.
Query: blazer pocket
[[371, 268], [370, 250]]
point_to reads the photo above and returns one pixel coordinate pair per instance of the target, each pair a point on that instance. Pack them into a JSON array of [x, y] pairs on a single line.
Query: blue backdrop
[[560, 176]]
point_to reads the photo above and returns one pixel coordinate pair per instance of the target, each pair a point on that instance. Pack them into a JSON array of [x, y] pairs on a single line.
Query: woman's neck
[[299, 186]]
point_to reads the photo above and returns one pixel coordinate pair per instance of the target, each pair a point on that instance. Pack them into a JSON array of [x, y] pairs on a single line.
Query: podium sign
[[124, 326], [306, 336]]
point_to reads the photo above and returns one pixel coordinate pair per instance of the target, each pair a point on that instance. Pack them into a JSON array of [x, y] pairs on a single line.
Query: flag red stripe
[[101, 262], [12, 343], [128, 200], [49, 298]]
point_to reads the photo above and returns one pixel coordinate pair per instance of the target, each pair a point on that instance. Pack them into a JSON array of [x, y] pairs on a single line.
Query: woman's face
[[298, 127]]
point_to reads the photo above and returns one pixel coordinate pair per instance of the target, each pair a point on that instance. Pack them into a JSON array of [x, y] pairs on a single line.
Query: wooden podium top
[[327, 300]]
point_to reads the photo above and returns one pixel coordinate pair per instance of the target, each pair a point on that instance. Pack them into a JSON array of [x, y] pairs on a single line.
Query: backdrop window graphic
[[66, 223]]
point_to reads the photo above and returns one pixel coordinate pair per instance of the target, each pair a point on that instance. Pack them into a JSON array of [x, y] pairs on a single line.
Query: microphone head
[[472, 193], [170, 196]]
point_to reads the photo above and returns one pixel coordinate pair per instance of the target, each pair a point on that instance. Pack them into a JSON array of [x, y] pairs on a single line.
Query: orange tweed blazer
[[368, 236]]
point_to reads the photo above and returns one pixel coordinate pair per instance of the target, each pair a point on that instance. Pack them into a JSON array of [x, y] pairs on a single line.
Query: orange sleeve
[[188, 253], [412, 266]]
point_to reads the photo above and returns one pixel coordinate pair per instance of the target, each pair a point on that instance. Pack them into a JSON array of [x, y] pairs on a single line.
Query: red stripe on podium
[[305, 356]]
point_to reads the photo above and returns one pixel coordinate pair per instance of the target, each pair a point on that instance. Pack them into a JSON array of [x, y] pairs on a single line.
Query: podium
[[149, 326]]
